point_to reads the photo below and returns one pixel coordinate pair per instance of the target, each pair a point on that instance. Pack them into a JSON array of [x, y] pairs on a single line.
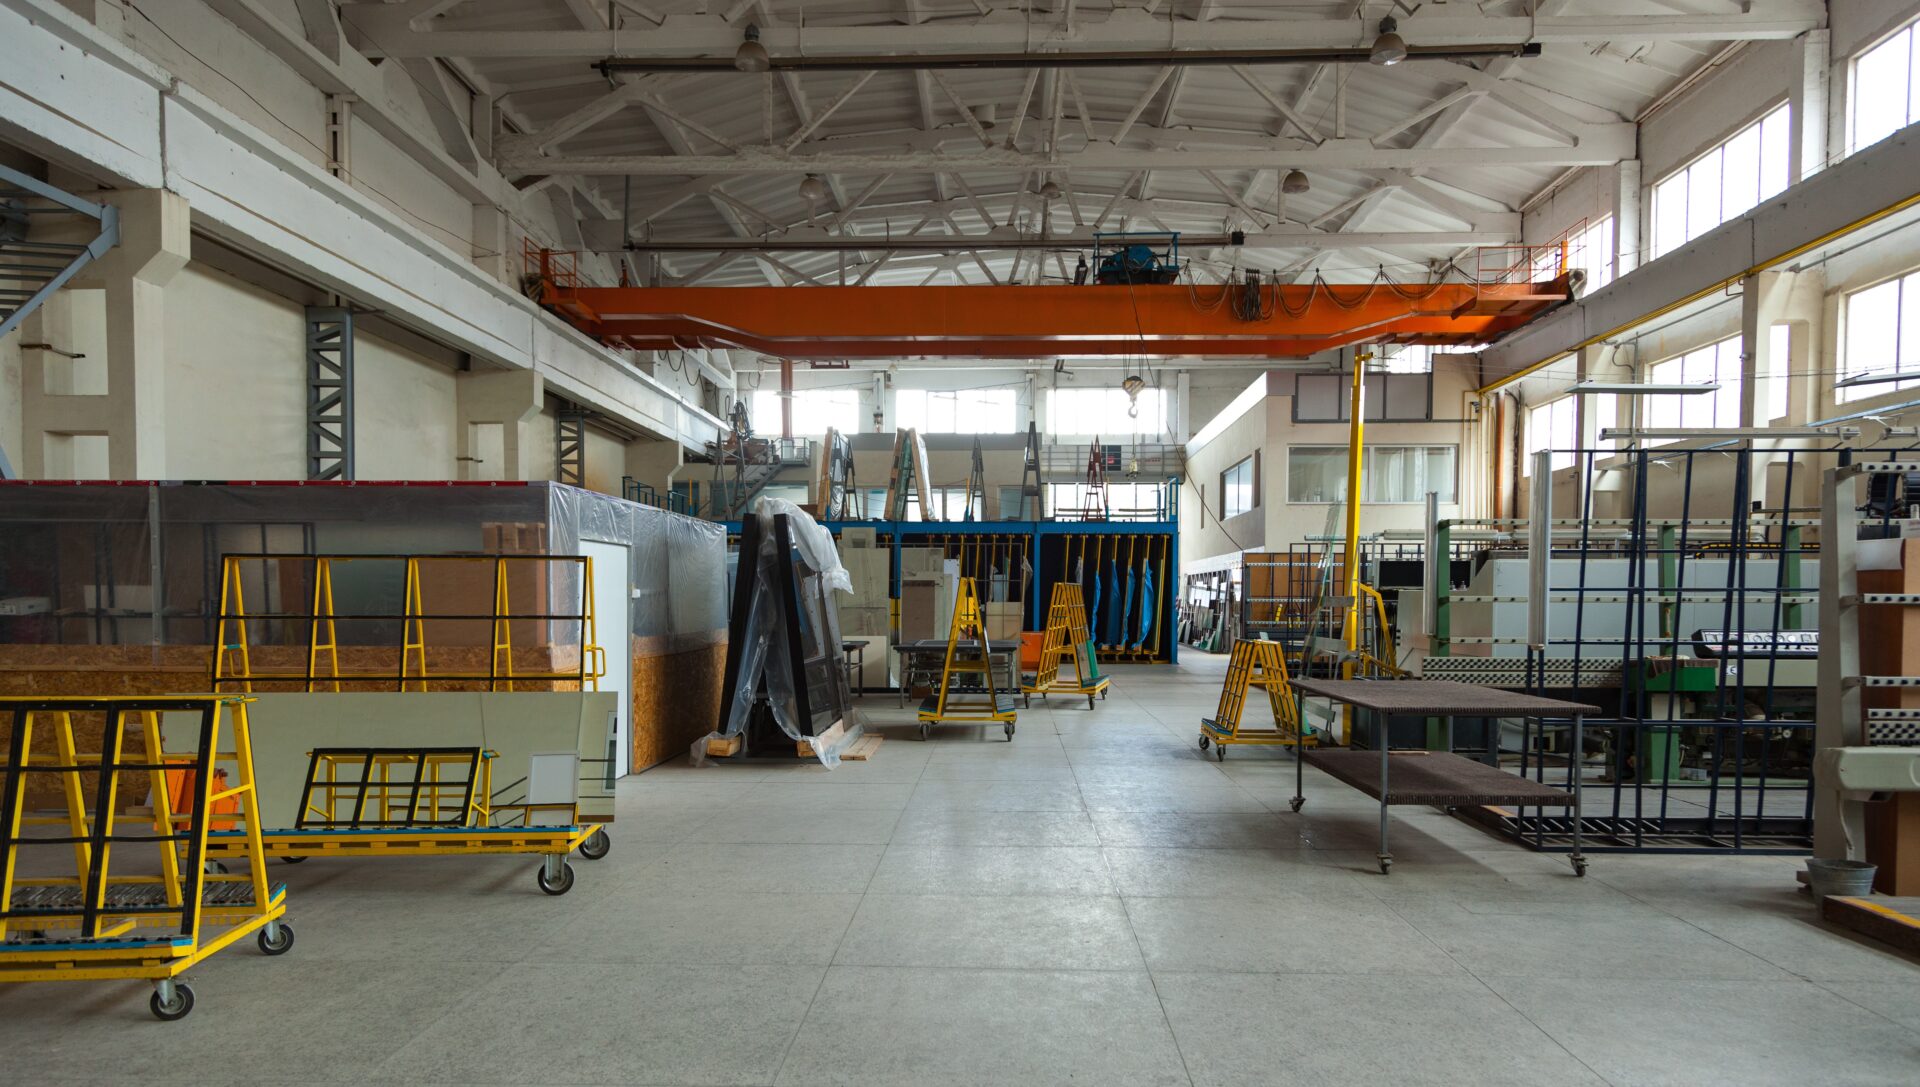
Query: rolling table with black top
[[927, 657], [1439, 778]]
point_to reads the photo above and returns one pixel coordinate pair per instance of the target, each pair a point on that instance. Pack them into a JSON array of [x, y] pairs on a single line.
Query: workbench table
[[1438, 778]]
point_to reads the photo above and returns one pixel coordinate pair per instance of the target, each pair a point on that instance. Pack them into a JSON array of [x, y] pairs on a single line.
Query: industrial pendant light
[[1050, 191], [1389, 47], [812, 189], [752, 56], [1295, 183]]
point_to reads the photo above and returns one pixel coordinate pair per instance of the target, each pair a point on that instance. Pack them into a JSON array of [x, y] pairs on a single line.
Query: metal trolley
[[116, 917]]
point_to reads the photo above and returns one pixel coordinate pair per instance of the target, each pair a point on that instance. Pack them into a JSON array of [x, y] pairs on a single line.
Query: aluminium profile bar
[[1628, 434], [1636, 388]]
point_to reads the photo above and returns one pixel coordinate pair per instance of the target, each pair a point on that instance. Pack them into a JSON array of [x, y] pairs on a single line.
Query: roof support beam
[[1599, 145], [1125, 29]]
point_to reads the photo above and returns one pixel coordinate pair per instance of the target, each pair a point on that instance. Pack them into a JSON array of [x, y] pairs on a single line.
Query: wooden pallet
[[863, 748]]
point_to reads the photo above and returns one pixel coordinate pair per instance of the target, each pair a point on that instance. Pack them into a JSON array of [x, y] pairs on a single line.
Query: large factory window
[[955, 411], [1885, 97], [1721, 184]]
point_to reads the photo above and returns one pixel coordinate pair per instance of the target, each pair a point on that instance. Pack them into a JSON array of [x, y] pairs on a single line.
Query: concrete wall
[[1267, 424]]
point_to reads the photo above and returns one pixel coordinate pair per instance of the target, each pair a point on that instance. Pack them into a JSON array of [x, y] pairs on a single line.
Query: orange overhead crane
[[1262, 320]]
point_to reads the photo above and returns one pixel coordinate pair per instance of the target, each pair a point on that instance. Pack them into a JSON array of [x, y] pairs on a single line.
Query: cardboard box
[[1004, 620], [861, 538], [919, 608]]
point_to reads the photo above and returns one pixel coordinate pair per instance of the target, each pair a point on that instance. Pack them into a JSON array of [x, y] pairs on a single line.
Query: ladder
[[1254, 664], [1066, 637], [968, 656]]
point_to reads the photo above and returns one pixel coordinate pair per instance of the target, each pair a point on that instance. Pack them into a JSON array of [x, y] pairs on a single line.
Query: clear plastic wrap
[[138, 564], [762, 647]]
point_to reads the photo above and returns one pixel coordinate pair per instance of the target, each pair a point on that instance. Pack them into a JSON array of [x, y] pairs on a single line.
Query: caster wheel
[[1580, 867], [1103, 696], [596, 845], [925, 732], [1009, 733], [1089, 701], [293, 860], [177, 1008], [1297, 802], [276, 947], [1386, 865], [1204, 743], [1219, 753], [558, 887]]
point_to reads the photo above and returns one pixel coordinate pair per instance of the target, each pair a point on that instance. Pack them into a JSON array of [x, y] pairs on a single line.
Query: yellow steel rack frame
[[233, 648], [1254, 664], [1066, 638], [398, 800], [964, 660], [101, 923]]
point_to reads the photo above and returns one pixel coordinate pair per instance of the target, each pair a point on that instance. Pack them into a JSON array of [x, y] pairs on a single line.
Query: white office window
[[1102, 413], [1884, 97], [1882, 335], [1779, 369], [1406, 358], [1237, 495], [1714, 364], [956, 411], [814, 410], [1554, 426], [1590, 249], [1392, 473], [1723, 183]]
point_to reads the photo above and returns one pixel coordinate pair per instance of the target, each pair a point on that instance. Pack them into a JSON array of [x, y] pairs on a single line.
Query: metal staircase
[[30, 271]]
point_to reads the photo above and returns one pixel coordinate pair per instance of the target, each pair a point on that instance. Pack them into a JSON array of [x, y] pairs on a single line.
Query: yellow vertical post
[[413, 627], [1356, 446]]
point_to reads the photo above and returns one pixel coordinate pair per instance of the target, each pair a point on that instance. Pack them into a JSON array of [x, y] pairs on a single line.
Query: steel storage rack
[[1681, 599], [157, 920], [305, 625]]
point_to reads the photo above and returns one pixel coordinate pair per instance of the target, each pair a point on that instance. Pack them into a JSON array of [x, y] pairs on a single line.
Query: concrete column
[[1763, 303], [1627, 227], [510, 399], [1809, 147], [130, 411]]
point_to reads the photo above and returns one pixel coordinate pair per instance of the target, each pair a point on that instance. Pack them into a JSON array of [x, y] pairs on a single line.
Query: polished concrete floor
[[1093, 903]]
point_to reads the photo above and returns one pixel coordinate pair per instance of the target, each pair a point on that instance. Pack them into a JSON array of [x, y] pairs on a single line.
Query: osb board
[[676, 700]]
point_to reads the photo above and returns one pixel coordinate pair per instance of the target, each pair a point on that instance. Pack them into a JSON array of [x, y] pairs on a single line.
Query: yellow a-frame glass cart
[[968, 656], [130, 921], [1254, 664], [1066, 638]]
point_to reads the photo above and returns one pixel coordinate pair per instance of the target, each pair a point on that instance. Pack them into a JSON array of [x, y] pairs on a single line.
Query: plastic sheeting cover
[[764, 652]]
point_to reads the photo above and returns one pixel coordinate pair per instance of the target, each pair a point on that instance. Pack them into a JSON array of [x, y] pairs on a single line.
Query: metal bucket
[[1843, 878]]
